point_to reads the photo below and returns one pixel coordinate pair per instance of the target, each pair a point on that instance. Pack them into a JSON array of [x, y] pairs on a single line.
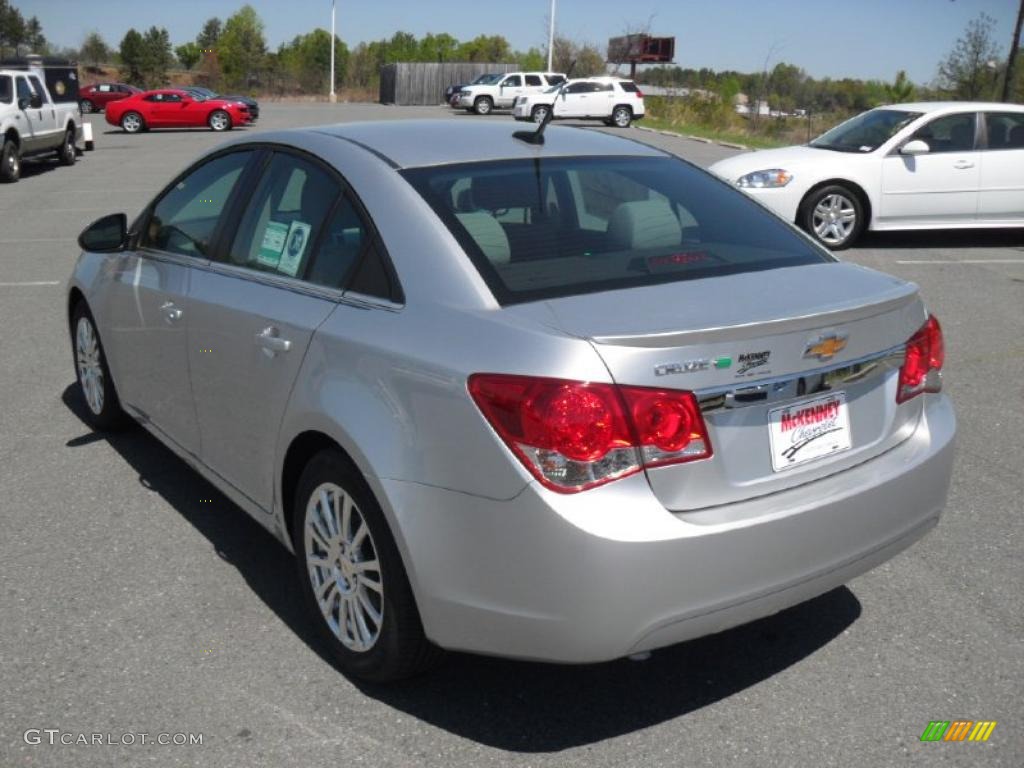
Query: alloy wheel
[[219, 121], [131, 123], [834, 219], [622, 117], [539, 113], [343, 567], [90, 369]]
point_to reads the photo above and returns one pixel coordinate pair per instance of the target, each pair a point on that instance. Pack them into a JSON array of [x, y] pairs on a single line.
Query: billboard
[[641, 48]]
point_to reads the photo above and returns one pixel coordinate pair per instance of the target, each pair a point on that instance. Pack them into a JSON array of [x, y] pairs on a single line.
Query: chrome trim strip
[[794, 386]]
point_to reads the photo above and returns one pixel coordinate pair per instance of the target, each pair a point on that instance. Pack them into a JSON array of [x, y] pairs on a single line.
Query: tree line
[[234, 53]]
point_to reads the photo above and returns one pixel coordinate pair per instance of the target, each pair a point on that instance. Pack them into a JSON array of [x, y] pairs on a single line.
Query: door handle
[[171, 312], [961, 165], [272, 343]]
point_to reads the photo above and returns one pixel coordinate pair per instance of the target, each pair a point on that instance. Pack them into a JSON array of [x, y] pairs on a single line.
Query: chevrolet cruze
[[564, 400]]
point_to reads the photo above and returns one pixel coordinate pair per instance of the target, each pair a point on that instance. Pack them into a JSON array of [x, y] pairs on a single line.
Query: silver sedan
[[565, 400]]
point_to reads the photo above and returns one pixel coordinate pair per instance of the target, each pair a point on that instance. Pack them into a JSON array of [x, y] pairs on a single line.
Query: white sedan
[[937, 165]]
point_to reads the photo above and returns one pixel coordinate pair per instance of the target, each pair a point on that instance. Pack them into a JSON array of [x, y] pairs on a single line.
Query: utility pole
[[334, 96], [1011, 62], [551, 34]]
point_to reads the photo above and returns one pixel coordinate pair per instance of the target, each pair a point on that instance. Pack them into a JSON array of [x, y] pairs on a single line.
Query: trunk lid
[[750, 345]]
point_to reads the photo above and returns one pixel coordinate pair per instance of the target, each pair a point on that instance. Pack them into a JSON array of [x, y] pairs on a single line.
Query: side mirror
[[108, 234], [24, 103], [37, 101], [915, 147]]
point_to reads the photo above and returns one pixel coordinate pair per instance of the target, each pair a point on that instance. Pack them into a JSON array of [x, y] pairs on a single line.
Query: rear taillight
[[639, 93], [921, 367], [574, 435]]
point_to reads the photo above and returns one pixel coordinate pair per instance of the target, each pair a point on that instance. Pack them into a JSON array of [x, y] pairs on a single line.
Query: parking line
[[32, 282], [960, 261]]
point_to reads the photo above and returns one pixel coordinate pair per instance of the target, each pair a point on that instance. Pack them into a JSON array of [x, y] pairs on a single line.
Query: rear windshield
[[6, 91], [540, 229], [628, 85]]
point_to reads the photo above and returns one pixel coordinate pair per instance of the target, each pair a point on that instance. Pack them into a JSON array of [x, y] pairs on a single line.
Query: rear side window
[[1005, 130], [185, 218], [533, 80], [565, 226], [344, 241], [284, 216], [6, 90], [628, 85]]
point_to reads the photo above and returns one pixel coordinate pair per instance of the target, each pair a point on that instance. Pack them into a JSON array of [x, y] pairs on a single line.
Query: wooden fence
[[423, 83]]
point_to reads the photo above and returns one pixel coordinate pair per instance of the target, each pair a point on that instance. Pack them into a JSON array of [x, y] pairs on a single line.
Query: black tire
[[109, 416], [538, 112], [87, 107], [67, 154], [816, 223], [133, 122], [622, 116], [400, 649], [10, 162], [219, 120], [483, 105]]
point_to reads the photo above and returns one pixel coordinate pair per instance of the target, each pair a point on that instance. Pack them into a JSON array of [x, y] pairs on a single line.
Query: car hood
[[787, 158]]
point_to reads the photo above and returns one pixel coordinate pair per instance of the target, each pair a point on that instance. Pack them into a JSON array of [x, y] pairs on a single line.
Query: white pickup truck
[[33, 124], [483, 98]]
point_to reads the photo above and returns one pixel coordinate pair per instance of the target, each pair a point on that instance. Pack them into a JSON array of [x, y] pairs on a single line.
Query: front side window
[[284, 217], [38, 88], [104, 89], [952, 133], [6, 90], [512, 82], [1005, 130], [565, 226], [185, 218], [24, 92], [866, 132], [579, 88]]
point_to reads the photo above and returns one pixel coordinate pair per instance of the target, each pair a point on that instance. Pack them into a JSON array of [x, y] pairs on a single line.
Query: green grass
[[733, 137]]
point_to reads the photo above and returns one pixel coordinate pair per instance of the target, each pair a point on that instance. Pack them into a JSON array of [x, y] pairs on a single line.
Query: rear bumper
[[598, 575]]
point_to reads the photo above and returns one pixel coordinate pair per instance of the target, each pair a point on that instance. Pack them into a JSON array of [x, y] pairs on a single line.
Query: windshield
[[555, 227], [486, 79], [866, 132], [202, 94]]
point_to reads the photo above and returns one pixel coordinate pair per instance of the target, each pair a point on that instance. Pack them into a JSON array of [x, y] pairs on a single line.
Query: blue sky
[[857, 38]]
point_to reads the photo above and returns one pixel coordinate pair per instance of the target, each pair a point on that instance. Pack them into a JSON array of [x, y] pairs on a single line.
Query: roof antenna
[[537, 137]]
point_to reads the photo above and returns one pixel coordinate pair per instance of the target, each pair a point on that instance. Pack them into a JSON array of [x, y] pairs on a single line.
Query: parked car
[[251, 104], [483, 98], [452, 91], [564, 401], [933, 165], [32, 124], [175, 108], [615, 101], [94, 98]]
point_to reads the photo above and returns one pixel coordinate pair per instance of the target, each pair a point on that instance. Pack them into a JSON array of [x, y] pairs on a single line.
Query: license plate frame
[[809, 430]]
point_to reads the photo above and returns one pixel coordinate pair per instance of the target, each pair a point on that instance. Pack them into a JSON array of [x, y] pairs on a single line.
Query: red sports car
[[175, 109], [94, 98]]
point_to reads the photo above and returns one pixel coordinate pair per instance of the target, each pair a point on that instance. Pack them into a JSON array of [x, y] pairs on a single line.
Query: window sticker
[[296, 241], [273, 243]]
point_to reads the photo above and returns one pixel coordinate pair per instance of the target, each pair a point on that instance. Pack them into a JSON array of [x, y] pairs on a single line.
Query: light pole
[[551, 35], [334, 96]]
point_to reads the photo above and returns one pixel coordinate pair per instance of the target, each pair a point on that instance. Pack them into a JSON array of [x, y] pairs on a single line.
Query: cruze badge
[[692, 366], [826, 347]]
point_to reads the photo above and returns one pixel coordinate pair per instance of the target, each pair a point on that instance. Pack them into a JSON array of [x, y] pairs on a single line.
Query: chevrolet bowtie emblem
[[826, 347]]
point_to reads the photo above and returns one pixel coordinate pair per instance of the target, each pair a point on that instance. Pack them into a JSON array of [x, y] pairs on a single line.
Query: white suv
[[616, 102], [483, 98]]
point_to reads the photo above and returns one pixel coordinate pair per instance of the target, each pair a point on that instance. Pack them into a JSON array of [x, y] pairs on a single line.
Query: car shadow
[[191, 129], [943, 238], [510, 705]]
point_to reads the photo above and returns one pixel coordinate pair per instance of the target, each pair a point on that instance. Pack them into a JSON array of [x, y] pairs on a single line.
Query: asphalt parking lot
[[134, 598]]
